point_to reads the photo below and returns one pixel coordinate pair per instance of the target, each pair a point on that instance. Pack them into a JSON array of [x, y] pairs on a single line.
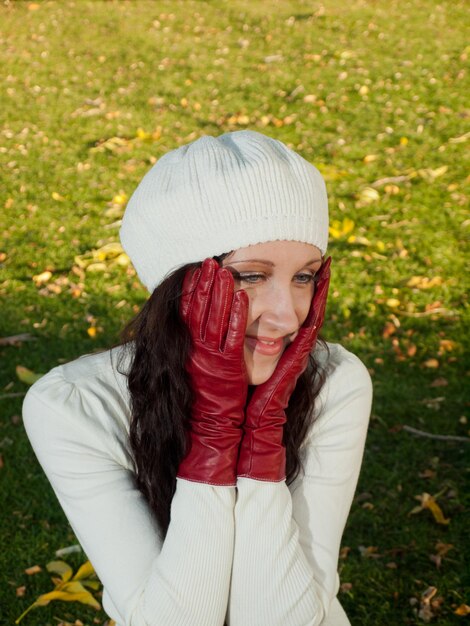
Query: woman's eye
[[305, 279], [250, 278]]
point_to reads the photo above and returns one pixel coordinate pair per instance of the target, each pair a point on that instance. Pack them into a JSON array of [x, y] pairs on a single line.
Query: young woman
[[207, 464]]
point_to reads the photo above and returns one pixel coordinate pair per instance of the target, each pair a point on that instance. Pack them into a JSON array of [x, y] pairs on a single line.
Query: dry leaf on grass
[[68, 588]]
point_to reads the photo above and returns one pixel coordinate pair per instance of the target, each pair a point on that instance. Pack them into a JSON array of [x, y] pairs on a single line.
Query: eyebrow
[[270, 263]]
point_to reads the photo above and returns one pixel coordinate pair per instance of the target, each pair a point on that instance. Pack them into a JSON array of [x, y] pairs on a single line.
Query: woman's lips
[[265, 345]]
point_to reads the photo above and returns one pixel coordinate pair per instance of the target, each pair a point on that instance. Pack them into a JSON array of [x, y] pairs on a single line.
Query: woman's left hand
[[262, 454]]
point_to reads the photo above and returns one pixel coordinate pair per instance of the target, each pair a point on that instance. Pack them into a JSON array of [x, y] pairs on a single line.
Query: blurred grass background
[[373, 93]]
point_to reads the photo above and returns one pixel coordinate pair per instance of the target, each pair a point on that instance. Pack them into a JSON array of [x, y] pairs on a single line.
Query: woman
[[207, 465]]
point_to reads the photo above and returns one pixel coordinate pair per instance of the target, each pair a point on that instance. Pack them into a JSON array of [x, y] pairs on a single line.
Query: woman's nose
[[278, 312]]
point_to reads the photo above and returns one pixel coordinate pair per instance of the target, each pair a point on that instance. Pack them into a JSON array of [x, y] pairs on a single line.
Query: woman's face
[[278, 278]]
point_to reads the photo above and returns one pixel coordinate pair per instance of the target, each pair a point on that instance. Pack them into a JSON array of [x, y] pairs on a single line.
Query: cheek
[[303, 304]]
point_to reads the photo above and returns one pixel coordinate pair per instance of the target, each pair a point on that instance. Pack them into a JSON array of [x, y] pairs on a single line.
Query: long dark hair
[[161, 397]]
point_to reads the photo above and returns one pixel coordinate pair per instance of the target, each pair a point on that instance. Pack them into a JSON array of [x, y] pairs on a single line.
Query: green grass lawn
[[373, 94]]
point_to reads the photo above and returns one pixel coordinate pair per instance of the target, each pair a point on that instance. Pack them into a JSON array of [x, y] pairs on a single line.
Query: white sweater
[[258, 554]]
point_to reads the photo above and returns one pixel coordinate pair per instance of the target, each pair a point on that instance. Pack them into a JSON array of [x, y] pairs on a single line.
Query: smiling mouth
[[265, 345]]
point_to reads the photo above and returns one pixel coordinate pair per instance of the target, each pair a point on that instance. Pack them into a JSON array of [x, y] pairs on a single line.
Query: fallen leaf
[[427, 473], [42, 278], [27, 376], [446, 345], [60, 567], [339, 229], [14, 340], [427, 605], [428, 174], [34, 569], [330, 172], [439, 382], [345, 550], [431, 363], [443, 548], [428, 502], [389, 329], [462, 610], [20, 591], [369, 552], [368, 195], [357, 239], [68, 589], [423, 282]]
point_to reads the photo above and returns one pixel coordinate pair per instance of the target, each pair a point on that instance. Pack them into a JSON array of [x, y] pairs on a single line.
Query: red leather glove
[[262, 453], [217, 319]]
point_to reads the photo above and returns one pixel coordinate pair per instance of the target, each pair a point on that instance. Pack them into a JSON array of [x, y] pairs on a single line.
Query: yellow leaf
[[92, 331], [403, 141], [431, 363], [339, 229], [35, 569], [436, 510], [96, 267], [368, 195], [93, 584], [62, 568], [357, 239], [56, 196], [393, 303], [428, 502], [463, 610], [142, 134], [430, 175], [109, 251], [29, 377], [369, 158], [85, 571], [423, 282], [123, 260], [42, 278], [72, 591], [120, 198], [330, 172], [76, 594]]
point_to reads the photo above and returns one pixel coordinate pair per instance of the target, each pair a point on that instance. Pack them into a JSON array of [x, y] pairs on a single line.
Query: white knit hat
[[218, 194]]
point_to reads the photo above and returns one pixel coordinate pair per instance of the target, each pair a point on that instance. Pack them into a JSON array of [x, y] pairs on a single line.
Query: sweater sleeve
[[184, 580], [287, 539]]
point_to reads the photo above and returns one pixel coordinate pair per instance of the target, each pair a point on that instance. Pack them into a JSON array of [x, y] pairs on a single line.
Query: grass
[[364, 90]]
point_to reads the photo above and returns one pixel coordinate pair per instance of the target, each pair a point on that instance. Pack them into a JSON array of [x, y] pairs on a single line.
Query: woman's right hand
[[216, 318]]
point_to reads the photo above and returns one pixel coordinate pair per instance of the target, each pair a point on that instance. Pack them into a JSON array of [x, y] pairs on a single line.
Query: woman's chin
[[259, 374]]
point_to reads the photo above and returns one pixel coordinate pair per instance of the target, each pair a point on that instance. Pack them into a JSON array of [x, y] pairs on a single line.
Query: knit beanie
[[218, 194]]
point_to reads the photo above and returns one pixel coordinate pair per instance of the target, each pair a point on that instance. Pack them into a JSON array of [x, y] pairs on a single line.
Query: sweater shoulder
[[347, 383], [86, 399]]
